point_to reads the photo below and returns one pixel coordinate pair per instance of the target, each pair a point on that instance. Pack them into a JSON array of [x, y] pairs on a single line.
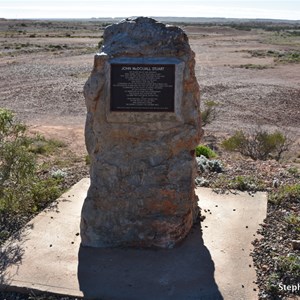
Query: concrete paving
[[213, 262], [229, 228]]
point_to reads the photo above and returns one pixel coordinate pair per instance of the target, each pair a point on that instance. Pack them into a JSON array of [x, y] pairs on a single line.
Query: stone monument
[[142, 126]]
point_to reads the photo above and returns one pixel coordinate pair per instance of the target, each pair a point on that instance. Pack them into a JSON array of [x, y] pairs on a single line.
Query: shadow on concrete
[[185, 272], [11, 254]]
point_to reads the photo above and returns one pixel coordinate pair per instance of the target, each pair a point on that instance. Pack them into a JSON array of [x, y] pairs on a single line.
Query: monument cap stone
[[144, 36], [142, 126]]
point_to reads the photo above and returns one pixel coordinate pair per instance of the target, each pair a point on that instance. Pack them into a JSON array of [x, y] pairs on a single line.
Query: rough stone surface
[[142, 172]]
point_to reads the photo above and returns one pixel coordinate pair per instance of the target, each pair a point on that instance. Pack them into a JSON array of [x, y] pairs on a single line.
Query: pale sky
[[271, 9]]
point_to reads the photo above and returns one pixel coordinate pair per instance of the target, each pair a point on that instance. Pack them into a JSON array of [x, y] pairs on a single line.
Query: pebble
[[295, 244]]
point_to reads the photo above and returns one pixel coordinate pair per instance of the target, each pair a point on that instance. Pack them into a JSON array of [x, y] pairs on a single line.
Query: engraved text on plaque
[[142, 87]]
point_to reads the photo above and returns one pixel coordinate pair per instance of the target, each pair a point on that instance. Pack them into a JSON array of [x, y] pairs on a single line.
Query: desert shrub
[[287, 273], [58, 174], [205, 151], [285, 194], [294, 171], [288, 57], [206, 165], [241, 183], [258, 145], [40, 145], [272, 285], [22, 191], [245, 183], [254, 67], [16, 161], [293, 222], [208, 114], [289, 267]]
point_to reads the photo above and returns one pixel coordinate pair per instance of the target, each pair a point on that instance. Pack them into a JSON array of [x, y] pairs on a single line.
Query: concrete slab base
[[229, 228], [214, 264]]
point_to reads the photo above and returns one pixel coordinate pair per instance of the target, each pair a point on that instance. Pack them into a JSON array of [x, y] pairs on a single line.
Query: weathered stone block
[[142, 153]]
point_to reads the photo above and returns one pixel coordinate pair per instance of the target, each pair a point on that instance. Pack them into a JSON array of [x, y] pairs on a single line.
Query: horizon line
[[155, 17]]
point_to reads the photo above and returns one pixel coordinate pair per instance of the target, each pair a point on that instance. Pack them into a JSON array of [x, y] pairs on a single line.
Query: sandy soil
[[42, 78]]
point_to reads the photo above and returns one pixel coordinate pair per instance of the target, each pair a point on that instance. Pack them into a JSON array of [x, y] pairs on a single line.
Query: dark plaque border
[[142, 87]]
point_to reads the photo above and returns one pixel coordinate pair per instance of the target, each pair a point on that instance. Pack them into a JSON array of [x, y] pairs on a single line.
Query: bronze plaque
[[142, 87]]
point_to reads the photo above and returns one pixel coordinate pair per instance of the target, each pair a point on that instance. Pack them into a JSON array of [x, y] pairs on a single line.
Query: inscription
[[142, 87]]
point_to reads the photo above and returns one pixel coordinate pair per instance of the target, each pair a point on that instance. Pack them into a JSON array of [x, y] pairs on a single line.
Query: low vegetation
[[254, 66], [24, 190], [286, 194], [284, 56], [206, 165], [259, 144], [275, 256], [14, 49], [267, 26], [40, 145], [21, 38], [208, 114], [205, 151], [241, 183]]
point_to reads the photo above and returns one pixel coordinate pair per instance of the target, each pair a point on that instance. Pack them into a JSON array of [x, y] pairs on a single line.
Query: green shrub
[[258, 145], [16, 162], [22, 191], [285, 194], [289, 266], [205, 151], [235, 143], [293, 219], [43, 192], [244, 183], [241, 183]]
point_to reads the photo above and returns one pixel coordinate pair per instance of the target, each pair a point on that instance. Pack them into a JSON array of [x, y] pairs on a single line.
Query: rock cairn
[[142, 163]]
